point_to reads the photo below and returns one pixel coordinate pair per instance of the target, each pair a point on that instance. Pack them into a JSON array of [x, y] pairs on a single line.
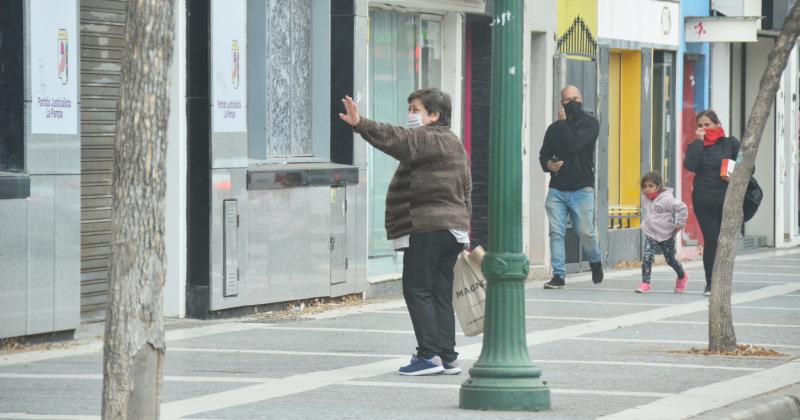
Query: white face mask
[[414, 120]]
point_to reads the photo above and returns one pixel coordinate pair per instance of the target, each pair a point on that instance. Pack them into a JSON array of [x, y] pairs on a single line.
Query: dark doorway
[[477, 113], [12, 135]]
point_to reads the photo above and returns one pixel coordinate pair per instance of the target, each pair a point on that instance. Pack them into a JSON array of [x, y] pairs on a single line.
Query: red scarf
[[712, 136]]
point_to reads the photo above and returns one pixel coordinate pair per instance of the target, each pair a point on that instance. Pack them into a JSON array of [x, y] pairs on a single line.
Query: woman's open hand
[[351, 112]]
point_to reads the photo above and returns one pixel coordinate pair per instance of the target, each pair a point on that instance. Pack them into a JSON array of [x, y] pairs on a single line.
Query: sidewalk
[[604, 351]]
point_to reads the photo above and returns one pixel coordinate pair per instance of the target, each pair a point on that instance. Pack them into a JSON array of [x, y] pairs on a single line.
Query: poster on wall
[[229, 65], [54, 66]]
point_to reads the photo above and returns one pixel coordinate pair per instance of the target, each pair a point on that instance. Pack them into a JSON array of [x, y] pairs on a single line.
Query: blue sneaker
[[422, 366], [451, 368]]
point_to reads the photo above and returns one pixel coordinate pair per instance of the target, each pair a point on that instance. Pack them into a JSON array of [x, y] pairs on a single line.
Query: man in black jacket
[[568, 154]]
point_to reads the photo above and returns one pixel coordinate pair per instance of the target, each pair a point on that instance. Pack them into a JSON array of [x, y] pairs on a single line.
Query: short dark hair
[[710, 114], [653, 177], [434, 100]]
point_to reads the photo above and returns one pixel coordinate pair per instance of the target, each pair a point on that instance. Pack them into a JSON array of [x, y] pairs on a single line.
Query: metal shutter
[[102, 42]]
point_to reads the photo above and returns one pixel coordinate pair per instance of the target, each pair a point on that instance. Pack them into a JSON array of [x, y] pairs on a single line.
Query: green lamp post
[[504, 378]]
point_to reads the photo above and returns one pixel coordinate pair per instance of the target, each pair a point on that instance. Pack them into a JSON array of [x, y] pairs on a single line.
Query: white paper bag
[[469, 291]]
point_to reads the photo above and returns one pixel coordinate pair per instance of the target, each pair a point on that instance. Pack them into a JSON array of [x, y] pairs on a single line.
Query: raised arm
[[397, 142]]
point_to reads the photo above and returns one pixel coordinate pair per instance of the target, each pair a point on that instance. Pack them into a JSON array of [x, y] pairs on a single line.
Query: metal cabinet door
[[338, 241]]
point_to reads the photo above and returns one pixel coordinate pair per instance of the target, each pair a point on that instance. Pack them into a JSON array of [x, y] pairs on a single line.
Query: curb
[[783, 408], [383, 286]]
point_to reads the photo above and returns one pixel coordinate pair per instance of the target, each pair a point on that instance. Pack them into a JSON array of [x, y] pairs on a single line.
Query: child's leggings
[[667, 248]]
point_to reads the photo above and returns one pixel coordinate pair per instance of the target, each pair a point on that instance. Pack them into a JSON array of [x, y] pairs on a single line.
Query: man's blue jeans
[[579, 206]]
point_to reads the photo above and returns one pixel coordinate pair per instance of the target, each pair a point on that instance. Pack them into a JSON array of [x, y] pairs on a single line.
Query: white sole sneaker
[[429, 371], [452, 371]]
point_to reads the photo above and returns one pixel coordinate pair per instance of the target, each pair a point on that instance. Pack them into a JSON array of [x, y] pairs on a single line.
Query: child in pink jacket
[[663, 216]]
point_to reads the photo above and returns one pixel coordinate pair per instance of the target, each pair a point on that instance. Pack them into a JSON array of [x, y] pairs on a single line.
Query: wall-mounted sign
[[54, 66], [229, 65], [722, 29], [652, 22]]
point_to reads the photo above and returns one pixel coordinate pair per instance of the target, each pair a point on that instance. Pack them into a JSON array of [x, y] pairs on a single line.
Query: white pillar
[[539, 49], [791, 149], [175, 211], [721, 82], [452, 63]]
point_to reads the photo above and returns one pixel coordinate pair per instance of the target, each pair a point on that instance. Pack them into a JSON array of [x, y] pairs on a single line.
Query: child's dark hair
[[434, 100], [655, 178], [710, 114]]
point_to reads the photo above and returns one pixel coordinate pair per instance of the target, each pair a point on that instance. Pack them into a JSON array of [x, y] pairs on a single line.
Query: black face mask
[[572, 108]]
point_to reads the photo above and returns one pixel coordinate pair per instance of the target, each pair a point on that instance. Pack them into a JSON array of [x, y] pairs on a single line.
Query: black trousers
[[667, 249], [709, 216], [428, 290]]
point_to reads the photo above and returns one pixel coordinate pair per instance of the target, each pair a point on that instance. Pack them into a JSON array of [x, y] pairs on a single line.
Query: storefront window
[[663, 114], [12, 126]]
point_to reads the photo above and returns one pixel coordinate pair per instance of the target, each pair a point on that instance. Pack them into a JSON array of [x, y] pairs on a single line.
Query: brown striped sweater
[[431, 188]]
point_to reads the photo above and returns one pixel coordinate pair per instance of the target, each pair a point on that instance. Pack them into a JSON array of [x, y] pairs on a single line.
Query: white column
[[175, 211], [539, 48], [721, 82], [452, 64], [791, 148], [786, 156]]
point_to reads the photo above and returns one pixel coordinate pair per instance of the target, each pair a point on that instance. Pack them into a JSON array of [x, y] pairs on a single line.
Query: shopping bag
[[469, 291], [752, 199]]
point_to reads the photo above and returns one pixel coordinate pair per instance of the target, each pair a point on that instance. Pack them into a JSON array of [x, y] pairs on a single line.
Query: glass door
[[663, 147], [405, 54]]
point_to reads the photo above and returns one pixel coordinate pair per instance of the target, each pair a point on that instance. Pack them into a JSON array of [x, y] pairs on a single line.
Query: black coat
[[572, 141], [709, 188]]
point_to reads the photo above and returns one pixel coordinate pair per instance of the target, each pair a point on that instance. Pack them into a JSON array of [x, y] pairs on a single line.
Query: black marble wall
[[342, 71], [198, 114], [481, 37], [12, 123]]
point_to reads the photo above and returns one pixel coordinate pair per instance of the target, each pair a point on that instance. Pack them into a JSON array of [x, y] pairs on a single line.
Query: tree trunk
[[721, 336], [134, 347]]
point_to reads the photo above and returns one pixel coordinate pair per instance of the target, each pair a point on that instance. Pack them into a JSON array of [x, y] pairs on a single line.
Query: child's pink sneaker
[[680, 284], [643, 288]]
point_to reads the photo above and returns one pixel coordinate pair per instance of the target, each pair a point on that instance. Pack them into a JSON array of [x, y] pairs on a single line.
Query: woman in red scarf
[[704, 157]]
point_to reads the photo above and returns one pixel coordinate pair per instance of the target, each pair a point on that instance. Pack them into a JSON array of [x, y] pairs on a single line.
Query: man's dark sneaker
[[555, 283], [597, 272], [707, 291]]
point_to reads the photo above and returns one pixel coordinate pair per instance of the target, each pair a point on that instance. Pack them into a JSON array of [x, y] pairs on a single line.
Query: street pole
[[504, 378]]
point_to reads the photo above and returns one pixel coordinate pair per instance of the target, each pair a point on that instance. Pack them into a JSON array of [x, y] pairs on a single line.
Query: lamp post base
[[520, 394]]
